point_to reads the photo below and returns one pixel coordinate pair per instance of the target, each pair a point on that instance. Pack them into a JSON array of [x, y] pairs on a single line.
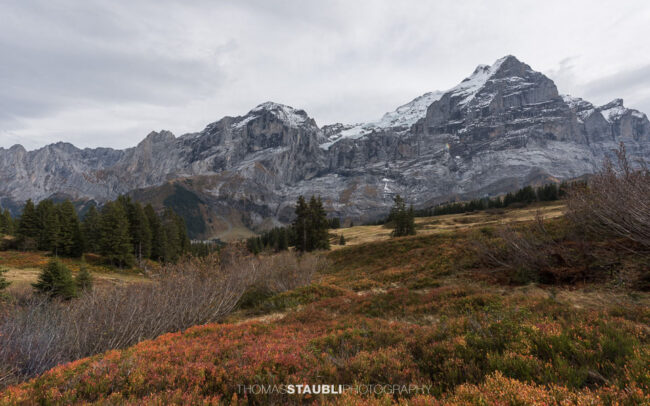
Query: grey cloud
[[105, 72]]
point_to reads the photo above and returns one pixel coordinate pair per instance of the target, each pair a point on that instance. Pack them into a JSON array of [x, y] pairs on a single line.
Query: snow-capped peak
[[289, 115], [402, 118], [470, 86], [612, 110]]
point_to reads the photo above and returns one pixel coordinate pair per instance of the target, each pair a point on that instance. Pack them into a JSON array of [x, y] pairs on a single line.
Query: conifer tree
[[342, 240], [28, 227], [49, 227], [70, 240], [115, 241], [84, 279], [140, 231], [283, 240], [402, 219], [6, 223], [56, 280], [91, 230], [302, 225], [158, 239], [319, 225]]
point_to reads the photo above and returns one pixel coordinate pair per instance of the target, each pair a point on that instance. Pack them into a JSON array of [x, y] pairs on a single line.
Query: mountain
[[502, 127]]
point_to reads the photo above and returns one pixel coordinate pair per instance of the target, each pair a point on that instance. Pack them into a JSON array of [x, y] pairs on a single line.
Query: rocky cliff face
[[503, 127]]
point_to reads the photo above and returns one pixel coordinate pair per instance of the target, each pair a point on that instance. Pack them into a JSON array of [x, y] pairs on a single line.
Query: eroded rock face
[[501, 128]]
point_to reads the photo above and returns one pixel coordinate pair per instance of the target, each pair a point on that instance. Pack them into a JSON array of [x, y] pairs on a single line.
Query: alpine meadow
[[487, 244]]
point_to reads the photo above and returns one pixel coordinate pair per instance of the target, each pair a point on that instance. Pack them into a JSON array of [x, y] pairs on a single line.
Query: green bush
[[84, 279], [56, 281]]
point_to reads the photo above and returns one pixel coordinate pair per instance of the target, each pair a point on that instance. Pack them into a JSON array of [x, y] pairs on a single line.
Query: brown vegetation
[[37, 334]]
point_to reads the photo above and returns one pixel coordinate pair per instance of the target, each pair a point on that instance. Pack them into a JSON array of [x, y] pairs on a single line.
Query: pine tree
[[91, 230], [115, 241], [319, 225], [172, 237], [283, 240], [70, 241], [402, 219], [302, 225], [28, 227], [56, 280], [6, 223], [342, 240], [48, 225], [84, 279], [158, 240], [140, 231]]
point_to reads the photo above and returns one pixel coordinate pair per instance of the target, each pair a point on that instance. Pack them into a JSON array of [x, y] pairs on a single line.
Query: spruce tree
[[302, 225], [401, 218], [319, 225], [6, 223], [84, 279], [115, 241], [90, 229], [48, 224], [158, 239], [56, 280], [342, 240], [28, 227], [283, 240], [172, 237], [140, 231], [70, 241]]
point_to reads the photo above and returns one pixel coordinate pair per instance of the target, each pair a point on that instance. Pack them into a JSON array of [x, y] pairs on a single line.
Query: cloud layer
[[105, 73]]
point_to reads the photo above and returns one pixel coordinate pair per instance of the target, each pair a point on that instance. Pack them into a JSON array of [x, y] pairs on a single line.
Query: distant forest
[[525, 195], [121, 231]]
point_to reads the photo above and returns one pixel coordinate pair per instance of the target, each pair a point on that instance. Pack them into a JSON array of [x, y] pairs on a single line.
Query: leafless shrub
[[616, 203], [37, 334], [287, 271], [605, 218], [535, 253]]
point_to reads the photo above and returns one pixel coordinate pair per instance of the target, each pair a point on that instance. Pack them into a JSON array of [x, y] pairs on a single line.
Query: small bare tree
[[615, 204]]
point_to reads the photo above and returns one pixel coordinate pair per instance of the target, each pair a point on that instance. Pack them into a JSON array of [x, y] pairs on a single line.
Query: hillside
[[420, 310]]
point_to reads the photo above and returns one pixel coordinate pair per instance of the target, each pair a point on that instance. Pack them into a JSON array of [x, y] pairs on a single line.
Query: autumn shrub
[[40, 334], [279, 273], [616, 205]]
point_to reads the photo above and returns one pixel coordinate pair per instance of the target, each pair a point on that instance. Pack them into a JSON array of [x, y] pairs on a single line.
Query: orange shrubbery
[[481, 352]]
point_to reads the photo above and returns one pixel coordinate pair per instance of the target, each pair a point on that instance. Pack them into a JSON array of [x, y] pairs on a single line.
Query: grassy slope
[[452, 222], [399, 311], [24, 268]]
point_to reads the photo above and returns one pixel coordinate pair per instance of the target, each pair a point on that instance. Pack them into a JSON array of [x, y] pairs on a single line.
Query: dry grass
[[452, 222]]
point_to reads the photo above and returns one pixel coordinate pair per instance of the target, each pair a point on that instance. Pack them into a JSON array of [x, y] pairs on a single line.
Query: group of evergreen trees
[[49, 226], [277, 239], [308, 232], [525, 195], [122, 231], [310, 225], [401, 219]]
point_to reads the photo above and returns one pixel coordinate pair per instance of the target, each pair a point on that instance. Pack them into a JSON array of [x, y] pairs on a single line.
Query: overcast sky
[[106, 73]]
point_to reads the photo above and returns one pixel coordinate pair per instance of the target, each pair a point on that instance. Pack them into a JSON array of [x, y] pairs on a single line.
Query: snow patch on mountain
[[401, 119], [469, 87], [292, 117]]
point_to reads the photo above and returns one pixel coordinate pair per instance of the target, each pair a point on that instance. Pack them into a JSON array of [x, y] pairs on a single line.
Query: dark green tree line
[[123, 232]]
